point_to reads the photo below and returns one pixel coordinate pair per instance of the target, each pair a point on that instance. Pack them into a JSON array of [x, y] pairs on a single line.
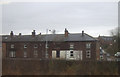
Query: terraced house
[[67, 46]]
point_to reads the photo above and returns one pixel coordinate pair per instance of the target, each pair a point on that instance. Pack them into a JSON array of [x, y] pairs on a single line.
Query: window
[[25, 53], [12, 54], [101, 56], [88, 45], [12, 45], [71, 51], [25, 46], [71, 46], [57, 54], [35, 46], [35, 53], [71, 54], [88, 54]]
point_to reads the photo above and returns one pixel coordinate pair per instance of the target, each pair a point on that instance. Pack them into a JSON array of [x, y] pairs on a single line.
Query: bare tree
[[116, 38]]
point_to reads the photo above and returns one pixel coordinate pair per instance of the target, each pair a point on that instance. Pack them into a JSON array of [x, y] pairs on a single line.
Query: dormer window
[[35, 46], [12, 45], [25, 46]]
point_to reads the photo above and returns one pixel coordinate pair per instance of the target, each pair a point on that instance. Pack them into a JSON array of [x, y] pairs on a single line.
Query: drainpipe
[[46, 46]]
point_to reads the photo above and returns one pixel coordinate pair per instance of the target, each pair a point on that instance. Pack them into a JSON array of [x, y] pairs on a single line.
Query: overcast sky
[[95, 18]]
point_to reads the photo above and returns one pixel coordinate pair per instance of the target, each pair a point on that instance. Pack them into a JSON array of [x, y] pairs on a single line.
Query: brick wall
[[19, 48]]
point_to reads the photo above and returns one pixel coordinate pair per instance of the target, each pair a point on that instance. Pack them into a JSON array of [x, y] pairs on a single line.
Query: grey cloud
[[77, 16]]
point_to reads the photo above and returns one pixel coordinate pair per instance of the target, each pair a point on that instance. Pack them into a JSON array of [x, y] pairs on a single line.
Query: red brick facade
[[24, 49], [19, 49]]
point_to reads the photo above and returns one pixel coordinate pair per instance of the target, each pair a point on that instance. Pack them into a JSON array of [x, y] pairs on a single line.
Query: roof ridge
[[90, 36], [52, 37]]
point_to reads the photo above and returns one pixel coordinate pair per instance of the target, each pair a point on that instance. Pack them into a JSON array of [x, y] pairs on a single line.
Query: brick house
[[67, 46], [106, 40]]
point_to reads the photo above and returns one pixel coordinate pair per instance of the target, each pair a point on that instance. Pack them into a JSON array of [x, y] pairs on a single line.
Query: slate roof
[[50, 37]]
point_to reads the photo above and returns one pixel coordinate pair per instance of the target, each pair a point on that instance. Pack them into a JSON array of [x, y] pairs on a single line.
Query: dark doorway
[[57, 54]]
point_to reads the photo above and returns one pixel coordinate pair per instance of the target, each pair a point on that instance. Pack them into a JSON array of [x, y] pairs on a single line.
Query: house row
[[67, 46]]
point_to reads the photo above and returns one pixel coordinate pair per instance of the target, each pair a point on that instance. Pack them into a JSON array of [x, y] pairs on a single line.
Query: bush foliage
[[58, 67]]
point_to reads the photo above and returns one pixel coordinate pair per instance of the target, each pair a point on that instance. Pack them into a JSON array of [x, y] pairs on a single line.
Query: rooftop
[[49, 37]]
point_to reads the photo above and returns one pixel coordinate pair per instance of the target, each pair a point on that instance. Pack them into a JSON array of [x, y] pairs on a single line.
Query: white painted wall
[[65, 54], [53, 54], [77, 55], [62, 55]]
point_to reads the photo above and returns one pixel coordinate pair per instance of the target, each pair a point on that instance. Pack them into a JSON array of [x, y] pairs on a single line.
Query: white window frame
[[12, 54], [12, 45], [35, 53], [88, 45], [35, 46], [71, 45], [25, 46], [25, 54], [88, 52]]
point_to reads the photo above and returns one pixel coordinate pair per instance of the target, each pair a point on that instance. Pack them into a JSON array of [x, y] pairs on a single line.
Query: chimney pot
[[40, 34], [33, 30], [33, 33], [11, 34], [20, 34], [82, 33], [66, 32]]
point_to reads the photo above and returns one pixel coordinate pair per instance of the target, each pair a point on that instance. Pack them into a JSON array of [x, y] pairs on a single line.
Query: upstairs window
[[12, 45], [88, 45], [25, 54], [101, 56], [88, 54], [25, 46], [35, 53], [71, 46], [35, 46], [12, 54]]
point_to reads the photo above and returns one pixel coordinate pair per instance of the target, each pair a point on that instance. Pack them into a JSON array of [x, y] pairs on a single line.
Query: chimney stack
[[82, 33], [11, 34], [33, 33], [40, 34], [66, 32], [20, 34]]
